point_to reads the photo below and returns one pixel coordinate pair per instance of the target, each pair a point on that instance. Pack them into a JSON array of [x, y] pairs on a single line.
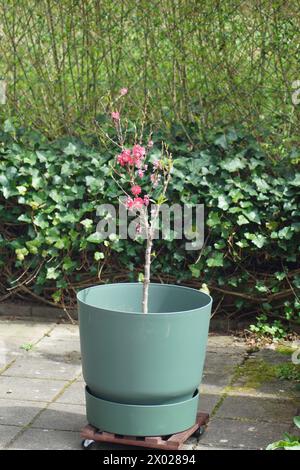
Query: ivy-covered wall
[[49, 192]]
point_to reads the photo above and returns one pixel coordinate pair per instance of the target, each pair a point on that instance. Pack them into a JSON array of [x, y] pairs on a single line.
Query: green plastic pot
[[143, 370]]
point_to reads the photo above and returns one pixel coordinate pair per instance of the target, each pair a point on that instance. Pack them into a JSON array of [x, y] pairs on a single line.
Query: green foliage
[[275, 330], [289, 442], [204, 61], [26, 346], [288, 371], [48, 197]]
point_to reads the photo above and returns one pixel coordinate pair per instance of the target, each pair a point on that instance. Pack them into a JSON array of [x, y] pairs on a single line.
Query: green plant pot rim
[[141, 420], [80, 298]]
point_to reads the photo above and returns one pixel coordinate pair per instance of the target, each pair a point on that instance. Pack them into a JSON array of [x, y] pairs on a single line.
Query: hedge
[[64, 61], [49, 192]]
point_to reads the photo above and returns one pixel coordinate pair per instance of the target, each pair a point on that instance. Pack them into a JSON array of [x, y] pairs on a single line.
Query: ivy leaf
[[256, 238], [216, 260], [22, 190], [253, 216], [71, 149], [87, 223], [233, 164], [280, 275], [95, 238], [242, 220], [242, 243], [68, 264], [24, 218], [98, 255], [195, 270], [297, 421], [286, 233], [261, 287], [213, 219], [259, 241], [8, 126], [56, 296], [39, 221], [52, 273], [223, 203], [21, 253], [37, 182], [221, 141]]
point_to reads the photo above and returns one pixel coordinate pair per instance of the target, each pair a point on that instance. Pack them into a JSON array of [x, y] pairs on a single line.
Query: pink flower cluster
[[136, 190], [135, 157], [115, 115], [125, 158], [155, 179], [137, 202]]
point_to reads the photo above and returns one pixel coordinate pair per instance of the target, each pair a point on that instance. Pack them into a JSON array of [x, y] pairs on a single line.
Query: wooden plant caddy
[[91, 435]]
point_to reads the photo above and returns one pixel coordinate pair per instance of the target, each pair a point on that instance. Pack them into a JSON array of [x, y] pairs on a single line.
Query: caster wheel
[[88, 444], [199, 431]]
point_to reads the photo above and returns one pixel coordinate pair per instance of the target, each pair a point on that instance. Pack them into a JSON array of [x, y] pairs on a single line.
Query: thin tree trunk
[[147, 273]]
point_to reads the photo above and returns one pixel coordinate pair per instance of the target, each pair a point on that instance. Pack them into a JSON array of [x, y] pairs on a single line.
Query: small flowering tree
[[143, 182]]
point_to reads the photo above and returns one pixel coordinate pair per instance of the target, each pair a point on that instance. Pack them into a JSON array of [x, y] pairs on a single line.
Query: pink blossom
[[138, 151], [120, 160], [150, 144], [136, 190], [146, 200], [115, 115], [129, 202], [126, 152], [138, 203], [123, 91], [140, 173], [138, 163], [157, 164], [124, 158], [155, 179]]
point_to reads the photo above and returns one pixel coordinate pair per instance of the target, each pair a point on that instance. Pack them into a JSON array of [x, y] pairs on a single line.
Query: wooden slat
[[174, 442], [153, 439]]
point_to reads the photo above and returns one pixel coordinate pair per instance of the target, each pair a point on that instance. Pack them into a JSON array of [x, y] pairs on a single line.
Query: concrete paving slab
[[62, 416], [59, 350], [228, 344], [216, 362], [5, 362], [240, 434], [74, 394], [215, 383], [65, 332], [19, 388], [271, 356], [36, 439], [260, 409], [7, 433], [35, 366], [14, 346], [207, 402], [207, 447], [18, 412], [265, 388], [24, 329]]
